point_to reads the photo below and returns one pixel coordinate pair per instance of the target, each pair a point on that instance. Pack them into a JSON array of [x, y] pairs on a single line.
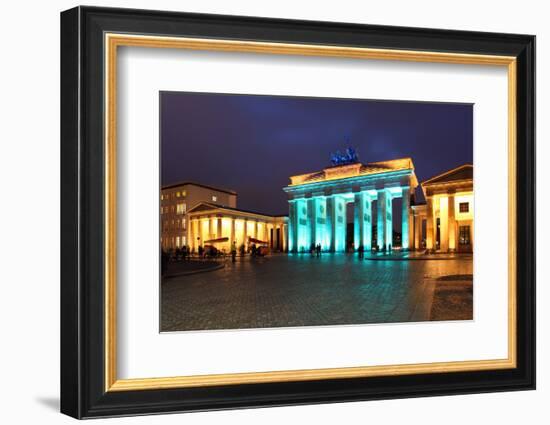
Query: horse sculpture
[[348, 157]]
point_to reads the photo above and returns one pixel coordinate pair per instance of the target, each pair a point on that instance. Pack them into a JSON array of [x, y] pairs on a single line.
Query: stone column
[[452, 224], [219, 228], [411, 229], [200, 233], [357, 221], [330, 222], [291, 227], [296, 226], [381, 219], [366, 219], [245, 230], [304, 231], [444, 223], [190, 235], [430, 237], [406, 201], [321, 225], [210, 227], [417, 231], [339, 223], [389, 220], [255, 229], [232, 234], [312, 221]]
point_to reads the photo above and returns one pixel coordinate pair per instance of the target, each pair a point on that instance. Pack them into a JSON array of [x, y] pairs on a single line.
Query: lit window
[[183, 193], [464, 207], [214, 198], [178, 194], [162, 197], [181, 208]]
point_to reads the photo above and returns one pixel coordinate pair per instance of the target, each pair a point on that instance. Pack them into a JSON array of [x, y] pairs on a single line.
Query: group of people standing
[[315, 250]]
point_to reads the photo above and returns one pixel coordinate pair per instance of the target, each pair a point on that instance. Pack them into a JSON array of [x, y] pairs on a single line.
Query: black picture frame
[[83, 392]]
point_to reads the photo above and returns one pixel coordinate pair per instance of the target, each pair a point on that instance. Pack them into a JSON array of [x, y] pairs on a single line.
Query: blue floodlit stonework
[[317, 205]]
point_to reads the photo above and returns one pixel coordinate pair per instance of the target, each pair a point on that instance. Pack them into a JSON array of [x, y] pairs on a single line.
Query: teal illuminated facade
[[318, 203]]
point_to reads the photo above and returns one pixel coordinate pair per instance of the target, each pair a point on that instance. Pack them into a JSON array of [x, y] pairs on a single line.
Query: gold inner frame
[[113, 41]]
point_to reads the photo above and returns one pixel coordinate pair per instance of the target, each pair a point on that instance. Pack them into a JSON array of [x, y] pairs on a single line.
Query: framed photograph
[[261, 212]]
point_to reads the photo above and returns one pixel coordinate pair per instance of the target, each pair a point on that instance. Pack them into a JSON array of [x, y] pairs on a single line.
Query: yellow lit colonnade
[[221, 226], [318, 203], [446, 222]]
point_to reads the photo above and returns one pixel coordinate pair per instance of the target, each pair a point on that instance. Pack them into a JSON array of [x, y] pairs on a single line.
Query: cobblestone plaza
[[301, 290]]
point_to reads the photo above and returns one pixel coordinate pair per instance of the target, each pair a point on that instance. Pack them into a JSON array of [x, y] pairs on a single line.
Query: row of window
[[180, 194], [180, 208], [174, 242], [174, 224], [173, 195]]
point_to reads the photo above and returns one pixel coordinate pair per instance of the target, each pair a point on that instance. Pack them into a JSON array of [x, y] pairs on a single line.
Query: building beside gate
[[318, 202], [445, 223], [221, 226], [175, 202]]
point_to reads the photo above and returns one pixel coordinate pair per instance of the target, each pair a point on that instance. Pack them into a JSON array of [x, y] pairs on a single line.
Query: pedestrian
[[234, 251], [361, 251]]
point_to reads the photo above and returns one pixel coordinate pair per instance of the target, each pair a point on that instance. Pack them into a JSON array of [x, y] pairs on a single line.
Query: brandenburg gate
[[318, 203]]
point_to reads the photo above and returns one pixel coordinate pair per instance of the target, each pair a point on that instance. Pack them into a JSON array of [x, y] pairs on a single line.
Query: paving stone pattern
[[300, 290]]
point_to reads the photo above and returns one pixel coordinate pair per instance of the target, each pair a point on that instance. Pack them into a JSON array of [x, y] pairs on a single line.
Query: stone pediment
[[204, 206], [464, 172]]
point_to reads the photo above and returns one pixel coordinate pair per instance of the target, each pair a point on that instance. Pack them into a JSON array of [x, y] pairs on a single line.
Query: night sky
[[252, 144]]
